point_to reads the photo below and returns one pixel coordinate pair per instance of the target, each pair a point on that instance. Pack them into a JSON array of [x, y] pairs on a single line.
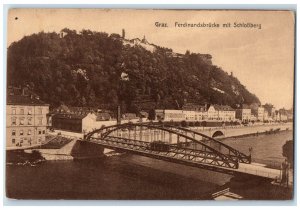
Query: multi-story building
[[195, 112], [220, 113], [244, 113], [174, 115], [266, 116], [283, 114], [189, 115], [225, 113], [194, 107], [212, 113], [290, 114], [200, 115], [25, 120], [258, 113]]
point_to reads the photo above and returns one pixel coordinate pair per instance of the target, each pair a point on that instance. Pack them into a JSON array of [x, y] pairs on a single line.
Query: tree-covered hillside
[[97, 69]]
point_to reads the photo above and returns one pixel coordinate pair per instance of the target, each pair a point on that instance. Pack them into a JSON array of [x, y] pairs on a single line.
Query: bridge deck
[[258, 170]]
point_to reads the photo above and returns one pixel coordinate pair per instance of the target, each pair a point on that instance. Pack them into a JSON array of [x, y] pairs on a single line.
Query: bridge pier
[[86, 150]]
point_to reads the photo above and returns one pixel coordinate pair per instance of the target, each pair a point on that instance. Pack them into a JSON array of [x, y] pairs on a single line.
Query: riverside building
[[25, 119]]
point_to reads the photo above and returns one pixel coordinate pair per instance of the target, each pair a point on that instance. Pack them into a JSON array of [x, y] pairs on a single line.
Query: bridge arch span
[[217, 134], [159, 141]]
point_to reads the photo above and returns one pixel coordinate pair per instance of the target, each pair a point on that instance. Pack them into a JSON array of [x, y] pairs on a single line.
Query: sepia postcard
[[123, 104]]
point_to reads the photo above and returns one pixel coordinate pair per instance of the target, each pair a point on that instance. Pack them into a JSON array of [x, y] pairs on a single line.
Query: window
[[22, 140], [40, 132], [43, 131], [29, 121], [13, 111], [40, 121], [13, 133], [13, 141], [22, 121], [29, 111], [13, 121], [29, 132], [21, 132], [21, 111]]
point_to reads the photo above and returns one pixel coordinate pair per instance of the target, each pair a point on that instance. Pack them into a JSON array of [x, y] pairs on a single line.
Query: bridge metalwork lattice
[[212, 142], [168, 143]]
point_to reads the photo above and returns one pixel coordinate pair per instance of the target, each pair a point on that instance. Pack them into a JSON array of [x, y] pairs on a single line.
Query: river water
[[132, 177]]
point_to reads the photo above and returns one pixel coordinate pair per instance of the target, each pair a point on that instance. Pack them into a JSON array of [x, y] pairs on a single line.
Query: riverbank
[[268, 132], [21, 158]]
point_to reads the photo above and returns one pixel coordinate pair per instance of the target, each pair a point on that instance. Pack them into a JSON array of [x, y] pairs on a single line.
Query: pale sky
[[262, 59]]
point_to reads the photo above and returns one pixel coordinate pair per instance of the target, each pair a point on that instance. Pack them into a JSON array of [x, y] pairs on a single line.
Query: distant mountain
[[96, 69]]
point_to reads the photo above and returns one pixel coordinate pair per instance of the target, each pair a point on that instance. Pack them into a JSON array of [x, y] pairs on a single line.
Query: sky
[[262, 59]]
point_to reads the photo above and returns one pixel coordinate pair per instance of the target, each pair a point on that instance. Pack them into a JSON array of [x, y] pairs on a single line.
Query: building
[[244, 113], [193, 107], [169, 115], [81, 123], [290, 114], [194, 112], [220, 113], [283, 115], [200, 115], [69, 122], [85, 119], [258, 112], [266, 116], [253, 118], [270, 115], [277, 116], [144, 114], [25, 119], [225, 113], [130, 116], [212, 113], [189, 115], [159, 114], [174, 115]]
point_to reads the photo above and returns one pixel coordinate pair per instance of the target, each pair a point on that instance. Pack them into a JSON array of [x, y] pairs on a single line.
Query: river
[[132, 177]]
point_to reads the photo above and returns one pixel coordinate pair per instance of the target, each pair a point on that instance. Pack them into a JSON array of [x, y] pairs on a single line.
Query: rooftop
[[70, 116], [223, 108], [103, 116]]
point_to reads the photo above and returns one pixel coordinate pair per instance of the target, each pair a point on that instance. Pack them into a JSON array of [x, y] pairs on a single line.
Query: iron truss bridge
[[169, 143]]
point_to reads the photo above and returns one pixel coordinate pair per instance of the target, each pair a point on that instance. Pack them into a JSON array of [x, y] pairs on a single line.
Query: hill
[[101, 70]]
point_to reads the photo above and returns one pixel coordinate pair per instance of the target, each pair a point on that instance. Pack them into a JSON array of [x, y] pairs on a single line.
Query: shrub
[[184, 123]]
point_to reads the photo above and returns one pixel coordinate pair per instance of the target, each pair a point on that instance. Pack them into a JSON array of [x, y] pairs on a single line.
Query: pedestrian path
[[259, 170]]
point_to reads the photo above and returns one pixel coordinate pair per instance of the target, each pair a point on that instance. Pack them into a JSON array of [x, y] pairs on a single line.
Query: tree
[[191, 124], [288, 151], [184, 123], [152, 114], [89, 64]]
